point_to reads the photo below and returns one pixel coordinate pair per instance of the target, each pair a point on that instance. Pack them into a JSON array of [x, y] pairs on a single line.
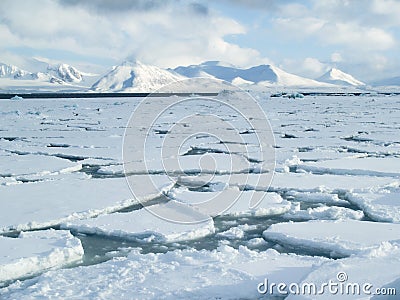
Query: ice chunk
[[300, 182], [383, 207], [329, 183], [338, 238], [232, 201], [41, 204], [149, 224], [37, 251], [39, 165], [324, 213], [236, 232], [370, 166]]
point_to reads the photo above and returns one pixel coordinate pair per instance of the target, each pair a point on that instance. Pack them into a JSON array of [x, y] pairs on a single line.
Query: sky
[[306, 37]]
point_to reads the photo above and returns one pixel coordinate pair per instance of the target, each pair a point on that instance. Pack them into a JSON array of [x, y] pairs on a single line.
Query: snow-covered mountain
[[135, 77], [53, 73], [11, 71], [65, 73], [338, 77], [262, 75]]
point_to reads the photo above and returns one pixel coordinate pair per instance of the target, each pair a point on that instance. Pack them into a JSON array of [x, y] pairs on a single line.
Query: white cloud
[[336, 57], [354, 36], [165, 33], [299, 27], [309, 67]]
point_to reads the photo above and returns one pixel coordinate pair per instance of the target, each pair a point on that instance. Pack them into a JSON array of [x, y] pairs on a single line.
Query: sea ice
[[149, 224], [370, 166], [337, 238], [360, 275], [37, 251], [324, 213], [381, 207], [224, 273], [233, 201], [73, 196]]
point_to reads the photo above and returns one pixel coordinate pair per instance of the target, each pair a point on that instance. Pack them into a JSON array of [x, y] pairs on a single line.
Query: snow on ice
[[35, 252], [338, 238], [148, 224], [334, 194]]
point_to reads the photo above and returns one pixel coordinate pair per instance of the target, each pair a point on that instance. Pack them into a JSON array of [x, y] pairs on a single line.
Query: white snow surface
[[48, 203], [233, 202], [148, 224], [387, 167], [37, 251], [61, 162], [224, 273], [339, 238], [359, 271], [383, 207]]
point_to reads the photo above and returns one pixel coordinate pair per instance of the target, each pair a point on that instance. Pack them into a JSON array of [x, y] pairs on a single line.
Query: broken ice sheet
[[232, 201], [224, 273], [149, 224], [370, 166], [72, 196], [37, 251], [21, 165], [381, 207], [336, 238]]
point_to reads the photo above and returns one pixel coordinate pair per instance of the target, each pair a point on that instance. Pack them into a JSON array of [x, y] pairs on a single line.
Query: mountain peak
[[262, 75], [336, 76], [134, 76]]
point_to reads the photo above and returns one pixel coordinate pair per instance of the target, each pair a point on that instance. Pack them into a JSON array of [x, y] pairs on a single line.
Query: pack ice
[[330, 206]]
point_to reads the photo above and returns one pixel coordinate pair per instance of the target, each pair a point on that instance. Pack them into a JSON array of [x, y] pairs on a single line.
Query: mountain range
[[134, 76]]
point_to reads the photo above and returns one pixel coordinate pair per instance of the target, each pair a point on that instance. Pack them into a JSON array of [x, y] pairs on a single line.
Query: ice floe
[[233, 202], [37, 251], [23, 165], [381, 207], [370, 166], [149, 224], [42, 204], [336, 238]]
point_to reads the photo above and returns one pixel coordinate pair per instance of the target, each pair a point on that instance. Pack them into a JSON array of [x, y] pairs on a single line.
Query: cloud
[[336, 57], [159, 32], [117, 6], [351, 24], [309, 67], [355, 36], [133, 6]]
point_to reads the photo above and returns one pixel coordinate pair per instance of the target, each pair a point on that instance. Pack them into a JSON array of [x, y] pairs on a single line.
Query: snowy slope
[[43, 75], [135, 77], [262, 75], [288, 79], [335, 76], [11, 71], [65, 73]]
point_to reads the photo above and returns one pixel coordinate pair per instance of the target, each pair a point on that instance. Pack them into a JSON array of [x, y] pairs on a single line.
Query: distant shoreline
[[51, 95]]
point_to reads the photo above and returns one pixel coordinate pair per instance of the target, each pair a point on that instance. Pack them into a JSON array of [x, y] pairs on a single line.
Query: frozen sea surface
[[71, 226]]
